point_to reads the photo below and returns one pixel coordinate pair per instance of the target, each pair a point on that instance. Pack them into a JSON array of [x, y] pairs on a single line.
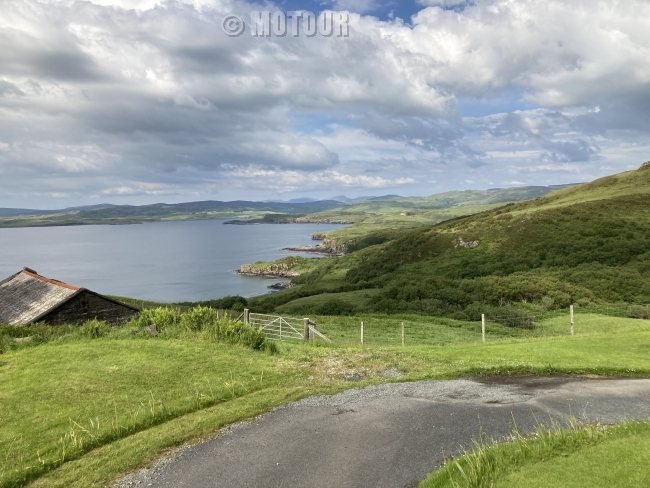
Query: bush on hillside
[[235, 332], [236, 302], [335, 306], [198, 317], [204, 320], [6, 342], [95, 328], [508, 315], [162, 317], [638, 312]]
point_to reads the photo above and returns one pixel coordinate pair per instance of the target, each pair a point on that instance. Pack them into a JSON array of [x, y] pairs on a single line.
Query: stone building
[[28, 297]]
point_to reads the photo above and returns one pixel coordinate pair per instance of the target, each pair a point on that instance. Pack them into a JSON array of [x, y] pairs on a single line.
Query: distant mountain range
[[241, 209], [12, 212], [338, 198], [132, 214]]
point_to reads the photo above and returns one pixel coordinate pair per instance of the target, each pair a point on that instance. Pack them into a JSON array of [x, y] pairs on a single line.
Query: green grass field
[[78, 412], [385, 330], [62, 399], [576, 456]]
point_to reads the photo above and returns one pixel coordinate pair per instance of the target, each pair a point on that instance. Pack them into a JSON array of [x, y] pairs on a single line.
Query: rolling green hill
[[382, 219], [584, 244]]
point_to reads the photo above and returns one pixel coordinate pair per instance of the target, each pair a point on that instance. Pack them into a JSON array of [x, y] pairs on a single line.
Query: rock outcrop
[[329, 246], [275, 270], [459, 242], [335, 247], [282, 285]]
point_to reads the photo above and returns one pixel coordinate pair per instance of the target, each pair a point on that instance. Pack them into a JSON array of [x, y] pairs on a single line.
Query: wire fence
[[500, 323], [393, 331]]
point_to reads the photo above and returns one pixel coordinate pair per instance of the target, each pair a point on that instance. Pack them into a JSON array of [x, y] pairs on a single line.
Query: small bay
[[161, 261]]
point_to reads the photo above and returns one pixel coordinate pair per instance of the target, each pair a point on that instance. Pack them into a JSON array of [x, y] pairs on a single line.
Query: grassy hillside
[[588, 243], [124, 396], [386, 218]]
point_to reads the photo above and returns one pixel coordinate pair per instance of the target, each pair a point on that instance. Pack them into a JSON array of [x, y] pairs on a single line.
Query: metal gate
[[278, 328]]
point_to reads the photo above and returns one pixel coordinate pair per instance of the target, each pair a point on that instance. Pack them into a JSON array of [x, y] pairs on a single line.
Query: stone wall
[[87, 306]]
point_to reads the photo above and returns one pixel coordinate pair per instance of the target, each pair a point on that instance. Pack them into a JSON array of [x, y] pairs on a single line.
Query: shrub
[[547, 303], [6, 342], [234, 332], [163, 317], [95, 328], [197, 318], [639, 312], [335, 306], [203, 319], [235, 302]]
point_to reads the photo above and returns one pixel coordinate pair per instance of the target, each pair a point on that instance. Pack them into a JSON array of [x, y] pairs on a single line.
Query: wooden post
[[361, 334], [571, 312], [305, 333], [483, 326], [402, 333], [246, 316]]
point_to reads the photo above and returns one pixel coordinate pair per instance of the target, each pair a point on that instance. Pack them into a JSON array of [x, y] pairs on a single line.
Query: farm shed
[[28, 297]]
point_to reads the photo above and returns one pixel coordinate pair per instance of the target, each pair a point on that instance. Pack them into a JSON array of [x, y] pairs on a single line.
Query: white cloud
[[123, 94]]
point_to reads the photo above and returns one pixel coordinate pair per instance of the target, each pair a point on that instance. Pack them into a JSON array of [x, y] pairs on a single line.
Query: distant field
[[385, 330]]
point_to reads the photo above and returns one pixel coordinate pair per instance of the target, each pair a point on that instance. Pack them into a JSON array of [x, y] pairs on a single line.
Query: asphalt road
[[390, 435]]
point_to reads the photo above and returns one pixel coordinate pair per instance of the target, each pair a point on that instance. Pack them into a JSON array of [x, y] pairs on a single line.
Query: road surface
[[389, 435]]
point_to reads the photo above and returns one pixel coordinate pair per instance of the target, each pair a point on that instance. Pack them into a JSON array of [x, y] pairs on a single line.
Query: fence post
[[483, 326], [571, 312], [361, 334], [402, 333], [246, 316], [305, 323]]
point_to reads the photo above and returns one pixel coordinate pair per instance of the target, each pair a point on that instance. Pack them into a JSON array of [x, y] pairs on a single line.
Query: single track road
[[390, 435]]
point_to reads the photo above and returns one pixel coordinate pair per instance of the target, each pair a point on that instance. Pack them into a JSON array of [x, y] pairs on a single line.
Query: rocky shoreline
[[282, 269], [319, 249], [279, 270], [285, 220], [282, 285]]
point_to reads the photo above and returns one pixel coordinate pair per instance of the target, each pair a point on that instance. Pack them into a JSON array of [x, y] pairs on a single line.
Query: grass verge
[[576, 456]]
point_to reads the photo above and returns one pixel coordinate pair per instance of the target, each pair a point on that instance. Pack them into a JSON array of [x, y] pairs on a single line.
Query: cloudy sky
[[142, 101]]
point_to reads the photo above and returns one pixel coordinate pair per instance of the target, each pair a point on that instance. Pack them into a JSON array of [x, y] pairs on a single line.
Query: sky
[[145, 101]]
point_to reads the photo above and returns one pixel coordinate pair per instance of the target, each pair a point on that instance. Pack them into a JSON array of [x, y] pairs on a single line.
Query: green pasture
[[80, 411]]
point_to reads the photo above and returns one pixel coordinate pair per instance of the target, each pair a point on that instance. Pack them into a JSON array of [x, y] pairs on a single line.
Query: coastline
[[318, 249], [284, 268]]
